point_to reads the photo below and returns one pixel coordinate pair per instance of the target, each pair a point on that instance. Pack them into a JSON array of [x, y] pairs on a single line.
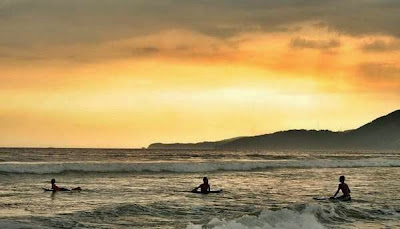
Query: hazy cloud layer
[[26, 23], [382, 46], [379, 70]]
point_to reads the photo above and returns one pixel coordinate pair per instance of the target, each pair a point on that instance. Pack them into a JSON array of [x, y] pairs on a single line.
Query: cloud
[[314, 44], [47, 22], [380, 70], [96, 30], [381, 46], [172, 44], [379, 78]]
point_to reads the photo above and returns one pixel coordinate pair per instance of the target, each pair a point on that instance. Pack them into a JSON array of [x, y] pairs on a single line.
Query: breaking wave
[[283, 219], [185, 167], [299, 216], [305, 216]]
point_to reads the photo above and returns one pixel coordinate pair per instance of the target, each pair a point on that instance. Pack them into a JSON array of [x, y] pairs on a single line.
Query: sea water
[[149, 189]]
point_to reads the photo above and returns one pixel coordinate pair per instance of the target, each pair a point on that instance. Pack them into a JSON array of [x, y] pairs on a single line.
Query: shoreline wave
[[303, 216], [284, 219], [297, 216], [185, 167]]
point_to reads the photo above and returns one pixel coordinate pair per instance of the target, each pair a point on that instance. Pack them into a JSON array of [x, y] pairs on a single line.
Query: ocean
[[124, 188]]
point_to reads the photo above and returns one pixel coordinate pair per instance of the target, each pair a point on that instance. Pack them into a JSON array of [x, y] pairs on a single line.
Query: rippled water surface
[[148, 188]]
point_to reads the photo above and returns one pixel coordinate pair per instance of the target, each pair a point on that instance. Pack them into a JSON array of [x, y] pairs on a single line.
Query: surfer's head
[[205, 180], [53, 181], [342, 178]]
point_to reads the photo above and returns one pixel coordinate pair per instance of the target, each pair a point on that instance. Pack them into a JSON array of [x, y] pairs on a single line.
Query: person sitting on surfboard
[[55, 188], [345, 190], [204, 188]]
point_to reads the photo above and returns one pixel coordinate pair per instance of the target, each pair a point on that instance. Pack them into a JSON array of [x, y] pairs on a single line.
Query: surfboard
[[330, 199], [212, 191], [321, 198], [62, 190]]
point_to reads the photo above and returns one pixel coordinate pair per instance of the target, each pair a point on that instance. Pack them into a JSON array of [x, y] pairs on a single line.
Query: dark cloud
[[381, 46], [44, 23], [314, 44]]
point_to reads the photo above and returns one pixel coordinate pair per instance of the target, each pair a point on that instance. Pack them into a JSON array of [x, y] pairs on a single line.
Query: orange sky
[[127, 74]]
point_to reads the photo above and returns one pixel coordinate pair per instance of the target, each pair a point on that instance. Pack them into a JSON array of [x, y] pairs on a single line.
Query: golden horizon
[[96, 82]]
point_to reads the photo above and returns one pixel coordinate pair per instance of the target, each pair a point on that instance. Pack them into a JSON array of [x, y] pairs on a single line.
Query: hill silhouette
[[199, 145], [381, 133]]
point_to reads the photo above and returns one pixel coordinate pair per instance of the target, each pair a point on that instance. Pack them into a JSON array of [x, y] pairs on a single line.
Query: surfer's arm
[[195, 189], [336, 192]]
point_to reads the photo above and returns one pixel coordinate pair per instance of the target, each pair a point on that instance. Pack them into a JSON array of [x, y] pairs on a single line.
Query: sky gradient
[[100, 73]]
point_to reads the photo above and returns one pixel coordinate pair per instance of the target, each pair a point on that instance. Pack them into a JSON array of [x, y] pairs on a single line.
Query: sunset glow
[[128, 79]]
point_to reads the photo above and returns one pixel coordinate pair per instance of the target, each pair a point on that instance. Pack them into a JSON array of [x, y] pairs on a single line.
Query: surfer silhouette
[[55, 188], [204, 188], [345, 190]]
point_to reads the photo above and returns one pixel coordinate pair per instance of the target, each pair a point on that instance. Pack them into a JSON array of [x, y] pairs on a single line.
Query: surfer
[[204, 188], [55, 188], [345, 190]]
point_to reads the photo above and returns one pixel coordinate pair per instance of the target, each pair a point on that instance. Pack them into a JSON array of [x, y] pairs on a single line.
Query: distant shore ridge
[[381, 133]]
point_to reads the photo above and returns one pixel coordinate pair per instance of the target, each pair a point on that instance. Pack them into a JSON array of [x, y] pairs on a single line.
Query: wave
[[283, 219], [12, 224], [304, 216], [298, 216], [185, 167]]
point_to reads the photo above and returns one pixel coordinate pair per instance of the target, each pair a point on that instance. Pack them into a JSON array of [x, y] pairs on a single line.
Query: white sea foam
[[185, 167], [284, 219]]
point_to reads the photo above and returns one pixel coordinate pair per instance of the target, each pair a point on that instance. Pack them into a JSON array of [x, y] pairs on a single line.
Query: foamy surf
[[267, 219], [307, 216], [186, 167]]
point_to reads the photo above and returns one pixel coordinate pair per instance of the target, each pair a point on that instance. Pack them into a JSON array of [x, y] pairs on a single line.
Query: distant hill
[[199, 145], [381, 133]]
